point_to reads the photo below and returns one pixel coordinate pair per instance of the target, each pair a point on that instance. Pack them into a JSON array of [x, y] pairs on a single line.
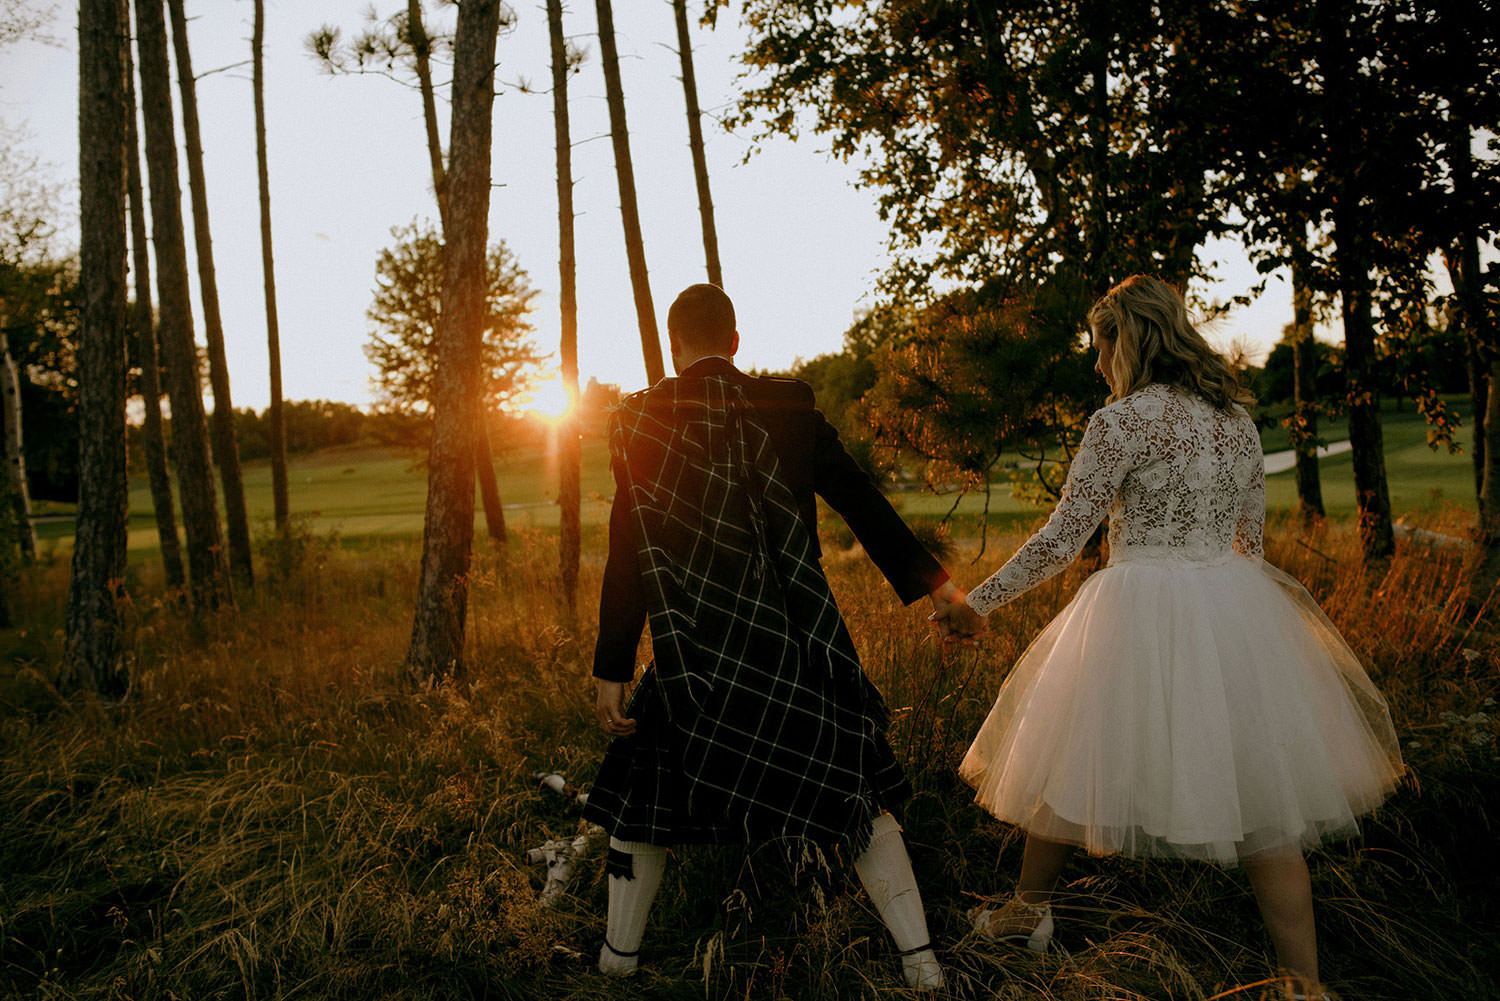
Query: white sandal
[[1037, 939]]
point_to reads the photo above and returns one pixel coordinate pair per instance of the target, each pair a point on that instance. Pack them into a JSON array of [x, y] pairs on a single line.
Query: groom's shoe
[[921, 968], [1016, 923], [613, 963]]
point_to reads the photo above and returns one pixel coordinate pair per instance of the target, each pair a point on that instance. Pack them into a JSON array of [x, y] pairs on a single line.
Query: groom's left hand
[[610, 709]]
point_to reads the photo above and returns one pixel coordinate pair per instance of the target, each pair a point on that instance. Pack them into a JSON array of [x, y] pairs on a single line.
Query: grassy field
[[363, 492], [275, 813], [368, 493]]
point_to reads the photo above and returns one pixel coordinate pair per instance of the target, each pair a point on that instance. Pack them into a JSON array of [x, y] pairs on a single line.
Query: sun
[[549, 399]]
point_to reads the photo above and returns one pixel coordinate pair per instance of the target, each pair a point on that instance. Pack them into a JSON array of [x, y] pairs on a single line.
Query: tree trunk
[[1352, 266], [1484, 370], [1366, 440], [695, 143], [94, 655], [1305, 402], [280, 502], [1479, 391], [1467, 276], [635, 250], [208, 578], [569, 492], [489, 489], [421, 48], [225, 443], [1101, 128], [15, 451], [1487, 573], [437, 643], [153, 439]]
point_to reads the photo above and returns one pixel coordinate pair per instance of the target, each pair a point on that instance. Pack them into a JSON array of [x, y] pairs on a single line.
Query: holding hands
[[955, 620]]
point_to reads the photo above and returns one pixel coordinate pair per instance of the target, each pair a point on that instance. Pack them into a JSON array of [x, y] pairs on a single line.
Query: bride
[[1192, 700]]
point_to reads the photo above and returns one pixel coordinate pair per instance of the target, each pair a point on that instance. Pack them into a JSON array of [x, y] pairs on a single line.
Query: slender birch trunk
[[635, 249], [95, 655], [280, 502], [225, 442], [208, 577], [489, 487], [153, 437], [569, 492], [695, 143], [437, 644], [421, 49]]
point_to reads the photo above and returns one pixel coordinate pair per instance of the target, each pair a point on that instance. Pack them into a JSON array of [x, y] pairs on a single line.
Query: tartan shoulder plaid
[[755, 720]]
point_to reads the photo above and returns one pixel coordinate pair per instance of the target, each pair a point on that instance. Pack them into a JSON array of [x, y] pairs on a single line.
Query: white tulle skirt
[[1186, 710]]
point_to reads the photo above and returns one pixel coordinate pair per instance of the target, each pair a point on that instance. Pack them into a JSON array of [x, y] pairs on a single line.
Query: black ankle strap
[[906, 952], [624, 955]]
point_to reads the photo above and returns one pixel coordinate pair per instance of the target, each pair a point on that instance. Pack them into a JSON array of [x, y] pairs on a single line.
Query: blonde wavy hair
[[1156, 342]]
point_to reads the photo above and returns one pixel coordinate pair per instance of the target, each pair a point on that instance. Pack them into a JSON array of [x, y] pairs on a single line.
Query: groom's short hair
[[702, 317]]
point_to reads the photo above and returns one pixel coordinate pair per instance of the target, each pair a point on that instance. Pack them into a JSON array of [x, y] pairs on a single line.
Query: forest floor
[[273, 812]]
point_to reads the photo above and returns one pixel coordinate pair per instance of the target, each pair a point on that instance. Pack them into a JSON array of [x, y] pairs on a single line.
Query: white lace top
[[1181, 480]]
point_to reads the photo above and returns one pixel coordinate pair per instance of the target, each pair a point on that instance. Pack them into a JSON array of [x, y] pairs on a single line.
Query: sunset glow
[[548, 400]]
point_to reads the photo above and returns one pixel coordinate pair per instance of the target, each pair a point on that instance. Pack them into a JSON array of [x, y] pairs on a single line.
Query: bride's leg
[[1284, 892], [1042, 865], [1027, 916]]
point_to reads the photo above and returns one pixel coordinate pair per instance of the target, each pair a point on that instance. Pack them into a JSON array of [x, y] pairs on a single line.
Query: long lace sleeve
[[1094, 480], [1249, 527]]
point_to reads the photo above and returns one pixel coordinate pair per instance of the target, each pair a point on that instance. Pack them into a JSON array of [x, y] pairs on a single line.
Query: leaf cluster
[[976, 377], [388, 45], [1007, 138], [404, 321]]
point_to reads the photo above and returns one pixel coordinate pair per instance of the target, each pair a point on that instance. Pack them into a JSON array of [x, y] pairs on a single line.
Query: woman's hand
[[955, 620]]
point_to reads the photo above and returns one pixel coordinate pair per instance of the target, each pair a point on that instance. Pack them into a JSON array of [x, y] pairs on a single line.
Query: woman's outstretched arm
[[1094, 479]]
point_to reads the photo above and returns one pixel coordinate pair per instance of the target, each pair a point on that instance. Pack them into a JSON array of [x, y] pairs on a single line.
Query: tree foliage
[[1033, 154], [404, 318], [1026, 156], [1007, 140], [973, 378]]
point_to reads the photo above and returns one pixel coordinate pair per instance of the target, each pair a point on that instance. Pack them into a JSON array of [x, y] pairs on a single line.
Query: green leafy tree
[[41, 311], [1026, 156], [977, 376], [404, 322], [1361, 165]]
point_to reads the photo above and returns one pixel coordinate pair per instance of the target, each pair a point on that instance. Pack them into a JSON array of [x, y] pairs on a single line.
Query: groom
[[754, 720]]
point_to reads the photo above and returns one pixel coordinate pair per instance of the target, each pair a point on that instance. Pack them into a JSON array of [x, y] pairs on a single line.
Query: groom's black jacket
[[813, 462]]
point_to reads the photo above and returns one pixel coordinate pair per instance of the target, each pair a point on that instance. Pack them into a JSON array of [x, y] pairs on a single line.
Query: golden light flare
[[548, 400]]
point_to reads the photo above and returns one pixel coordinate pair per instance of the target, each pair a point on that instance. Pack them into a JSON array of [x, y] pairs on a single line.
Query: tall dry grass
[[272, 814]]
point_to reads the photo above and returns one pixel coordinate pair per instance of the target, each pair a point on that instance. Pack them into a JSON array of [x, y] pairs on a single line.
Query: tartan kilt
[[756, 720], [641, 792]]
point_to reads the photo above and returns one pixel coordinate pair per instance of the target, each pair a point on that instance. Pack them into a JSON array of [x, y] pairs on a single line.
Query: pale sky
[[801, 246]]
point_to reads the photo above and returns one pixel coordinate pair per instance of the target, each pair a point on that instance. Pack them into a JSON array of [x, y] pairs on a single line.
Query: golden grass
[[272, 814]]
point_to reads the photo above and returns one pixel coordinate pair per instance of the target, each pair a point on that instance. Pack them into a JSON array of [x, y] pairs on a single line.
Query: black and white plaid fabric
[[756, 720]]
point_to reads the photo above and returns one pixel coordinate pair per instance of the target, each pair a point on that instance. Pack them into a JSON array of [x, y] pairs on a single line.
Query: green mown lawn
[[370, 491]]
